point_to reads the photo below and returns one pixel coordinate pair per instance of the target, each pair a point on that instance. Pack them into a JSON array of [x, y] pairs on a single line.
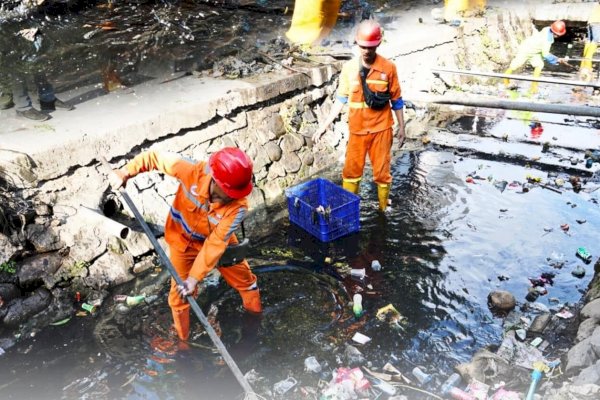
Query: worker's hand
[[317, 135], [565, 62], [399, 134], [188, 288], [118, 178]]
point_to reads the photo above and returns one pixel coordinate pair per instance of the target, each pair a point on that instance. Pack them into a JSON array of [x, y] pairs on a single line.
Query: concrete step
[[518, 152]]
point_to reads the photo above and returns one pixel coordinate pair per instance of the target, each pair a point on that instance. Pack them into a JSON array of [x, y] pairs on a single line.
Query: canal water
[[443, 246]]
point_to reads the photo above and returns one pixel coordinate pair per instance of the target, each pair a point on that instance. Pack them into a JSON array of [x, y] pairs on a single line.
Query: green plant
[[78, 267], [9, 267]]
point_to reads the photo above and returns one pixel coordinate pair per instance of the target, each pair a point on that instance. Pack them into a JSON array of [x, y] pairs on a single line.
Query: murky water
[[443, 247]]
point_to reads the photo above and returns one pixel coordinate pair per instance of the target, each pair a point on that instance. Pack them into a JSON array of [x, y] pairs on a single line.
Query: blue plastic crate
[[323, 209]]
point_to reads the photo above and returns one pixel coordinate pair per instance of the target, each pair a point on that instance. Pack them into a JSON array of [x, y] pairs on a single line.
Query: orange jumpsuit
[[198, 231], [370, 130]]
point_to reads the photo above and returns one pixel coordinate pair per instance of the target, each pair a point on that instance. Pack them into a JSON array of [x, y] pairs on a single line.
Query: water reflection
[[443, 247]]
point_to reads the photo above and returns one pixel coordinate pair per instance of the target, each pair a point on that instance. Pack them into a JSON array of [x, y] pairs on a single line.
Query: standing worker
[[370, 119], [312, 20], [591, 44], [535, 50], [209, 205]]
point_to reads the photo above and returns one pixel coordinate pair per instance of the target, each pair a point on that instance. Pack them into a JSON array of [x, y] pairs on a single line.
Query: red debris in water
[[469, 179]]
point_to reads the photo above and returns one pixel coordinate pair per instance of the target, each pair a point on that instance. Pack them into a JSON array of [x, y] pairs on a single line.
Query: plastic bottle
[[375, 265], [311, 364], [589, 163], [357, 307], [358, 273], [452, 381], [134, 300], [421, 376], [584, 254], [458, 394], [89, 308]]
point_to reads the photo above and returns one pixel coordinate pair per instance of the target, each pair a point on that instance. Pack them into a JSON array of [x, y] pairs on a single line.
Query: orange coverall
[[198, 231], [370, 130]]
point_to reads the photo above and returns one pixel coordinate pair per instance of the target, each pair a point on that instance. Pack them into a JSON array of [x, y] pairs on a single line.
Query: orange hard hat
[[231, 169], [558, 27], [369, 33]]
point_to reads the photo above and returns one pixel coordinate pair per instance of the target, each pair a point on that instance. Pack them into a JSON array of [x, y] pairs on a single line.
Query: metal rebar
[[194, 305], [516, 77]]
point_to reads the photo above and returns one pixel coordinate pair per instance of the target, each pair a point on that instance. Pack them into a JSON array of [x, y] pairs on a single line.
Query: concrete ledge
[[114, 124]]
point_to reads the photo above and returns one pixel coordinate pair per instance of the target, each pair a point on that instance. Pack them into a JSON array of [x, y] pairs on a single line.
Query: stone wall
[[59, 251]]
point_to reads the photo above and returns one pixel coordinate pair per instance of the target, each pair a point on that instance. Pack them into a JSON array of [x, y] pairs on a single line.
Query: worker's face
[[368, 54], [217, 195]]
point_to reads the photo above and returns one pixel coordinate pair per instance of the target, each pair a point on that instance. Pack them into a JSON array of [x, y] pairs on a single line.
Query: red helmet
[[558, 28], [232, 170], [369, 33]]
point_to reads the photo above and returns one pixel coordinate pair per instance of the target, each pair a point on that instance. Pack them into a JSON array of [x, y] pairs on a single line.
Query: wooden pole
[[516, 77]]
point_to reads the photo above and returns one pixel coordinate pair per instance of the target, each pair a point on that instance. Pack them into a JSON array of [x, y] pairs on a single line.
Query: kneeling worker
[[209, 205]]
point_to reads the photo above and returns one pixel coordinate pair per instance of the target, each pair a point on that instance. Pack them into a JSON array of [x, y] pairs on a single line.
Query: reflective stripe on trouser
[[238, 276], [378, 146]]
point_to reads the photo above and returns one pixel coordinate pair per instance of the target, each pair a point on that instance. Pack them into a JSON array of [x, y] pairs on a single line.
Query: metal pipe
[[584, 111], [595, 60], [190, 299], [517, 77], [109, 225], [111, 205]]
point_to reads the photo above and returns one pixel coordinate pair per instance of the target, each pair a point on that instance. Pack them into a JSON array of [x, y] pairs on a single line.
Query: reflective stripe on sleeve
[[177, 217], [241, 214]]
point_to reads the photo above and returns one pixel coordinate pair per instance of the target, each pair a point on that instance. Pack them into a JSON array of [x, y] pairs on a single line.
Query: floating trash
[[360, 338], [285, 385], [311, 364]]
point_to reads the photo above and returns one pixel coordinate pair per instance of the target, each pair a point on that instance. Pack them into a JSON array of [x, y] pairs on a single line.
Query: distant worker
[[312, 20], [591, 44], [453, 9], [209, 205], [535, 50], [370, 116]]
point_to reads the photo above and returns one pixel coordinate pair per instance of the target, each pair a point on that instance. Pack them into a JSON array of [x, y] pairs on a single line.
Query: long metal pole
[[195, 307], [584, 111], [595, 60], [517, 77]]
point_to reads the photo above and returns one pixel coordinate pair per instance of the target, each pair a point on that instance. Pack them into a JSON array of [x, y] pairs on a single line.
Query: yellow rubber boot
[[351, 185], [534, 85], [506, 80], [383, 192], [585, 68]]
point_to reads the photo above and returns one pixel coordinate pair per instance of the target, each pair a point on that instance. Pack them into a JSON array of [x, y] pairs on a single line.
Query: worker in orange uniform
[[591, 44], [370, 119], [535, 50], [209, 205]]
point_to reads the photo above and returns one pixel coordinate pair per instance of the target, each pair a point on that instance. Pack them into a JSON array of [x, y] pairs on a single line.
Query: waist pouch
[[375, 100], [235, 254]]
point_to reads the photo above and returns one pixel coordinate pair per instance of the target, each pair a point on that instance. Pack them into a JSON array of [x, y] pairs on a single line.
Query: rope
[[195, 307]]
